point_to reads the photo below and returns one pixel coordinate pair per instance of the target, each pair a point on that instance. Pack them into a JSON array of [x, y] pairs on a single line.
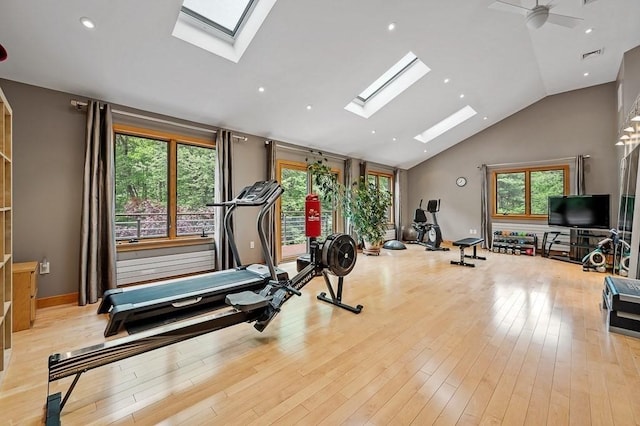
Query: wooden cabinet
[[25, 290], [6, 243]]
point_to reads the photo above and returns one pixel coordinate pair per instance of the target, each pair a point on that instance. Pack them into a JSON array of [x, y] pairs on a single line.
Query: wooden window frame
[[172, 139], [300, 166], [527, 185], [377, 175]]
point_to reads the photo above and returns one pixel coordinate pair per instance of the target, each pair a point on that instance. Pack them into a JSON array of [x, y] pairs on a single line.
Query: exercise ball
[[409, 234]]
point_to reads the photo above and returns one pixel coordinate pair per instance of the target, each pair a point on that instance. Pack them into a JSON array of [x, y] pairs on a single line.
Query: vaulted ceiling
[[322, 54]]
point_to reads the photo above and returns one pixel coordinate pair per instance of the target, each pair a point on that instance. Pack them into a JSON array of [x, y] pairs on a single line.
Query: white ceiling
[[323, 53]]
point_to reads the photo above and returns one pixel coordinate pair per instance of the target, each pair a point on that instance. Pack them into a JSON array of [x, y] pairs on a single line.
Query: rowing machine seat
[[246, 301]]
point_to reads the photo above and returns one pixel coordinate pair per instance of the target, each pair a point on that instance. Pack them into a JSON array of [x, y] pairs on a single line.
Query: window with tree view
[[525, 192], [161, 180], [383, 182]]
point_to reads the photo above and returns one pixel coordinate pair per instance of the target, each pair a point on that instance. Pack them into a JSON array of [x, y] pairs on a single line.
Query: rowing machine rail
[[337, 255]]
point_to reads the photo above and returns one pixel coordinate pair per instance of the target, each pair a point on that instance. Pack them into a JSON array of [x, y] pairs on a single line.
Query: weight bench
[[464, 243]]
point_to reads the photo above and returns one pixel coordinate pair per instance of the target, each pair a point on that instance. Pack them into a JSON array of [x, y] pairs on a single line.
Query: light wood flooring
[[516, 340]]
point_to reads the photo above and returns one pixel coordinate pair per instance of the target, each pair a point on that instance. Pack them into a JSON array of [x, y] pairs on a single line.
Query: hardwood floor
[[516, 340]]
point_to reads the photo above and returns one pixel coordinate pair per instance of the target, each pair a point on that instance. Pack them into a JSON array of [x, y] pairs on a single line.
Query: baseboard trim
[[63, 299]]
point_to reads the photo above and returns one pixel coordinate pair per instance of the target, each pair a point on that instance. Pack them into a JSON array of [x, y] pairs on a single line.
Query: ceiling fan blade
[[508, 7], [563, 20]]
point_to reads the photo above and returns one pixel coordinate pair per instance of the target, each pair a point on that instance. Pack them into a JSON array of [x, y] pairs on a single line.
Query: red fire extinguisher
[[312, 216]]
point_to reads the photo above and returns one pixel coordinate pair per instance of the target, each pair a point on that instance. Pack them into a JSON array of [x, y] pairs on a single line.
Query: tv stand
[[581, 242]]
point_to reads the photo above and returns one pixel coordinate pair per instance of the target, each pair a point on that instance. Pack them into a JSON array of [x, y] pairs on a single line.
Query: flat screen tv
[[580, 211]]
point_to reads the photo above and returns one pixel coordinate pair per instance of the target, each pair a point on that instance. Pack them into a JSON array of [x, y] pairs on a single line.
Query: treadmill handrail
[[264, 197], [263, 236]]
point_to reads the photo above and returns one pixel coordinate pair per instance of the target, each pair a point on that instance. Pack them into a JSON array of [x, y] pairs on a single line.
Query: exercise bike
[[430, 230], [613, 245]]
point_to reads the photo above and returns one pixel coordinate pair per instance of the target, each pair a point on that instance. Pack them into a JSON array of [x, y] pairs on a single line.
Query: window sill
[[519, 217], [123, 246]]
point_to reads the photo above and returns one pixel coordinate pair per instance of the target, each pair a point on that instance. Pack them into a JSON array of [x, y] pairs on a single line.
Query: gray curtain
[[580, 189], [224, 192], [97, 246], [364, 169], [348, 183], [397, 203], [485, 220], [271, 151]]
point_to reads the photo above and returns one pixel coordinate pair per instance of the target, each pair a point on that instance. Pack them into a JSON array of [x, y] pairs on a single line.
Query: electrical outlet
[[252, 244], [44, 267]]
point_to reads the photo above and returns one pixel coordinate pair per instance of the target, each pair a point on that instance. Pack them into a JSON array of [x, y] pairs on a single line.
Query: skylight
[[390, 84], [447, 124], [223, 27], [223, 15]]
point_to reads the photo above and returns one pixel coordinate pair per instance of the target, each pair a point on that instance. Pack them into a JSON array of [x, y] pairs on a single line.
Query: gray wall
[[563, 125], [48, 157]]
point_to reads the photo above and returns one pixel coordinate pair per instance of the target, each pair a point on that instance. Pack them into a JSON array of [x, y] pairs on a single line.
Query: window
[[162, 185], [297, 183], [384, 182], [226, 16], [524, 193], [447, 124], [390, 84], [222, 27]]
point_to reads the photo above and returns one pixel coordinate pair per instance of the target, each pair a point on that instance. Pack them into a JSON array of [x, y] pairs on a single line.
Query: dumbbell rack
[[514, 243]]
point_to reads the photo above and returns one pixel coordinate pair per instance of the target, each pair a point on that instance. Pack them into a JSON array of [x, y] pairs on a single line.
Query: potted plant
[[323, 177], [367, 208]]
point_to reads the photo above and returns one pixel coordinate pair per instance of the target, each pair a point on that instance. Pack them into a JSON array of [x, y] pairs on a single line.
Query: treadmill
[[154, 304]]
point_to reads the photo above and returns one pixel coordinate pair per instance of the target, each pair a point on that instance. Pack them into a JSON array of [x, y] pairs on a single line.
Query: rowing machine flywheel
[[339, 254]]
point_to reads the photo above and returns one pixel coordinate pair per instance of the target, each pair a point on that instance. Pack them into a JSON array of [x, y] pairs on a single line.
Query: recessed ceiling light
[[461, 95], [424, 150], [586, 74], [446, 80], [485, 117], [394, 139], [308, 106], [588, 30], [392, 26], [260, 89], [87, 22], [373, 132]]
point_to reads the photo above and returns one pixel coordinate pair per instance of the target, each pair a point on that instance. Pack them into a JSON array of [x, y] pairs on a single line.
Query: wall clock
[[461, 181]]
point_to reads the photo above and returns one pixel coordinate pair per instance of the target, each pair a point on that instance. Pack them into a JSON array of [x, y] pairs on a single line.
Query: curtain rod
[[309, 151], [522, 163], [79, 105]]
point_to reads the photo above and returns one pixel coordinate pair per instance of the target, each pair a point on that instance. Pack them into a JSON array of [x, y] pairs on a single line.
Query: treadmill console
[[258, 193]]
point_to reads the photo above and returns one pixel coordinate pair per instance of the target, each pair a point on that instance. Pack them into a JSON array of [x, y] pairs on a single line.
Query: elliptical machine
[[431, 230], [612, 246], [420, 225]]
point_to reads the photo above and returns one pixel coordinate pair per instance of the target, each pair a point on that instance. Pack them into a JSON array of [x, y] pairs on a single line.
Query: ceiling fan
[[537, 16]]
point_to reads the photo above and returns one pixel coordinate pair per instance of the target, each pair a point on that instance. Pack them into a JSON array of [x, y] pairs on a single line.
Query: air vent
[[592, 54], [586, 2]]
